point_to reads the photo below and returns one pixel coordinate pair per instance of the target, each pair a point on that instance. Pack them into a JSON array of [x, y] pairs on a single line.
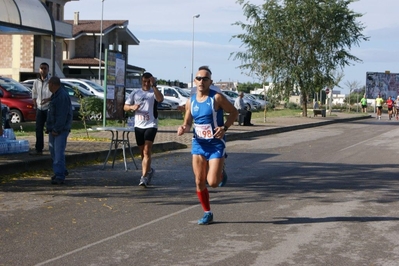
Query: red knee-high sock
[[203, 197]]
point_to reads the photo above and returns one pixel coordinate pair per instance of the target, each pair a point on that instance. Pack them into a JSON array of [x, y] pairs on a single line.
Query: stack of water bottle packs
[[9, 144]]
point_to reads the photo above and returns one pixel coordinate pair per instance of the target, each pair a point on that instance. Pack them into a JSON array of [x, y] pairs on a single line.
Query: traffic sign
[[327, 91]]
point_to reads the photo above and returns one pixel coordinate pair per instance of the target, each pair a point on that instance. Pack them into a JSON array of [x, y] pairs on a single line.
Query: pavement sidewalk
[[166, 139]]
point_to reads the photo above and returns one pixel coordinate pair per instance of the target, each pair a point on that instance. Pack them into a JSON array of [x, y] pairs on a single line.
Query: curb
[[38, 163]]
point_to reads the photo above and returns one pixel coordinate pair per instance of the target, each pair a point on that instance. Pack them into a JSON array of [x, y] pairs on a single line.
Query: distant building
[[227, 85], [82, 50], [338, 98]]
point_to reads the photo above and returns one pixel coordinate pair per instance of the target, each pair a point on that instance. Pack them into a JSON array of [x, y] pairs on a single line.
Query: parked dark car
[[18, 98], [164, 105]]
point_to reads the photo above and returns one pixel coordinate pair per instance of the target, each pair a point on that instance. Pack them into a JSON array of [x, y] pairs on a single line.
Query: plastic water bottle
[[3, 147], [8, 133], [24, 145], [130, 122], [18, 146], [10, 147]]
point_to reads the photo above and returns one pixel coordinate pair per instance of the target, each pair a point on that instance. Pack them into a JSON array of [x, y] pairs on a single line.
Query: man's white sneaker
[[143, 181]]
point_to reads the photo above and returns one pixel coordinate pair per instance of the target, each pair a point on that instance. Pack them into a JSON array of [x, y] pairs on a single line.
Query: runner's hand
[[219, 133]]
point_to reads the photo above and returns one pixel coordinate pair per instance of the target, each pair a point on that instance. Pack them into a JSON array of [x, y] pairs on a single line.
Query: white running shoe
[[143, 181]]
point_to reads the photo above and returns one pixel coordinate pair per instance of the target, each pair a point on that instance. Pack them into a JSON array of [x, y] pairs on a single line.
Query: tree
[[353, 86], [298, 43], [247, 87], [89, 107], [337, 78]]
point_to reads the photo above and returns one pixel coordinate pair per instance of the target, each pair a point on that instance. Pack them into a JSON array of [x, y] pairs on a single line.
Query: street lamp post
[[192, 53], [101, 42]]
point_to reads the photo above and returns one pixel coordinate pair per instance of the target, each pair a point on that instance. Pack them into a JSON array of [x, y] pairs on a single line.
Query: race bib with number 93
[[203, 131]]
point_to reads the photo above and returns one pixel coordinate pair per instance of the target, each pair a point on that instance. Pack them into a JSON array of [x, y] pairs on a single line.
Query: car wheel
[[248, 107], [16, 116]]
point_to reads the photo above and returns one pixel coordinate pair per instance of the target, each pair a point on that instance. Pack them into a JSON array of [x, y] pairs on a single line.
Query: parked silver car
[[166, 104], [250, 104], [262, 103]]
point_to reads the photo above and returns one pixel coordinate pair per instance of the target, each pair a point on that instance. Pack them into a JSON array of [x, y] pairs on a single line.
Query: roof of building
[[94, 26], [14, 18], [93, 62], [86, 27], [89, 61]]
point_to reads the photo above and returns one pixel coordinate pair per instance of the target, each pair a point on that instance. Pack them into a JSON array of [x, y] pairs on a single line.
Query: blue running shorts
[[209, 151]]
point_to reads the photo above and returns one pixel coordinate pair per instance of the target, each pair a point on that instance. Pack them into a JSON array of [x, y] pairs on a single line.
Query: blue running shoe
[[206, 219], [224, 178]]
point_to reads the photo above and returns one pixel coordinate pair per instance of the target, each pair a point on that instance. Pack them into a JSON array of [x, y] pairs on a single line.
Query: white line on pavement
[[354, 145], [118, 235]]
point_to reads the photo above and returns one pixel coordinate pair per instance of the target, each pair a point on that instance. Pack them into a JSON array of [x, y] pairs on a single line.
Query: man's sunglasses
[[202, 78]]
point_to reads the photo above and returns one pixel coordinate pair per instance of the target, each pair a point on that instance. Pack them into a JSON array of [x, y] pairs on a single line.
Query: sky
[[165, 31]]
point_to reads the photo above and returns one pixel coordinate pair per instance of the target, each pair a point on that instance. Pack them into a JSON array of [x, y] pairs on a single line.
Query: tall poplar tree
[[298, 43]]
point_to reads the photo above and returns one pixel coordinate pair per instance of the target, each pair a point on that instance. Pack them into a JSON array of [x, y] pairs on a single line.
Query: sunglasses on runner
[[202, 78]]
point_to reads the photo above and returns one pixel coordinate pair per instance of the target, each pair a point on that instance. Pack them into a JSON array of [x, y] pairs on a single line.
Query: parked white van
[[174, 93]]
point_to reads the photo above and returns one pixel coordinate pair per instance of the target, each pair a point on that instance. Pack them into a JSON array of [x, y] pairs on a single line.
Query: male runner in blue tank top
[[205, 108]]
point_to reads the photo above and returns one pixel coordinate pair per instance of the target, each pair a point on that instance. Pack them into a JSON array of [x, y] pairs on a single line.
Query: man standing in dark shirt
[[58, 126]]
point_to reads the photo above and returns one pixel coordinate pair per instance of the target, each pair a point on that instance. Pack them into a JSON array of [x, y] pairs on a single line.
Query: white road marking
[[359, 143], [118, 235]]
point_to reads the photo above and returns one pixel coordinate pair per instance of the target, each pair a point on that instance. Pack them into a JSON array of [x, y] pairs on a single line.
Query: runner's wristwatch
[[225, 128]]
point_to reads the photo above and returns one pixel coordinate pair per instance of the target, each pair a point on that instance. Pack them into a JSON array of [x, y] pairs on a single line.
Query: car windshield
[[183, 92], [73, 90], [250, 97], [95, 86], [231, 94], [13, 87]]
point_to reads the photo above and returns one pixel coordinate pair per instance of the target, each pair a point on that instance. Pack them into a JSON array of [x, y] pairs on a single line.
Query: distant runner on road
[[390, 107], [378, 102]]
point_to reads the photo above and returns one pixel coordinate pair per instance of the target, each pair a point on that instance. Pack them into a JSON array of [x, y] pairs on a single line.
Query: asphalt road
[[319, 196]]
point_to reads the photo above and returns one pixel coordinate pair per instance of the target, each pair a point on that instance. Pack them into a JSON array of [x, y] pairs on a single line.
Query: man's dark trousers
[[247, 118], [41, 117], [241, 115]]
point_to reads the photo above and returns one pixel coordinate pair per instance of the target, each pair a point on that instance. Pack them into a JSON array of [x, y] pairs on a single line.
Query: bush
[[92, 107], [292, 106]]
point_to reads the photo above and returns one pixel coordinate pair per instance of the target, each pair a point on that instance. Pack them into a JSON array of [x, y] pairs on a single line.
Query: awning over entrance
[[25, 17]]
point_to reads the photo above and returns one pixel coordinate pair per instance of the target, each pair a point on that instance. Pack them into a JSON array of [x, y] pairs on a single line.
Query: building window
[[58, 15], [50, 7]]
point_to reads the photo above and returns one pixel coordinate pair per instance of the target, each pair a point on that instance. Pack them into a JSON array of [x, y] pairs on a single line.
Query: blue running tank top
[[206, 119]]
